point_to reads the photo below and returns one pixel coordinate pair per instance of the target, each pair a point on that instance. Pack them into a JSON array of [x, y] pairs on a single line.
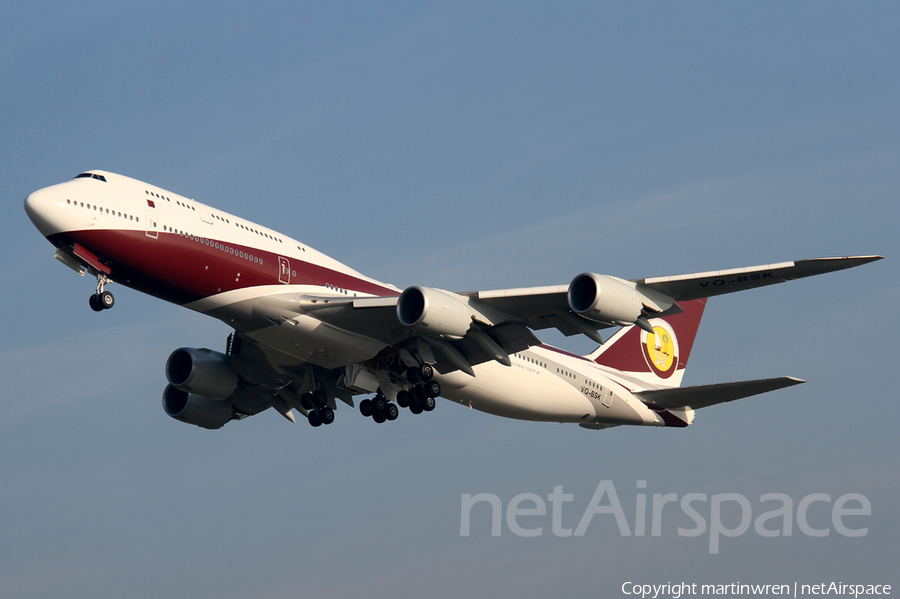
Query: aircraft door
[[152, 225], [284, 270], [607, 397]]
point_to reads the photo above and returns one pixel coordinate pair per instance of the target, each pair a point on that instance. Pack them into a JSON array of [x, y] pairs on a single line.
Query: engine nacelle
[[201, 371], [435, 312], [196, 409], [604, 299]]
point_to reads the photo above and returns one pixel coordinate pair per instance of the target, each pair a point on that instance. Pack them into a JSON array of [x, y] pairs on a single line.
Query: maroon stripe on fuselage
[[182, 269]]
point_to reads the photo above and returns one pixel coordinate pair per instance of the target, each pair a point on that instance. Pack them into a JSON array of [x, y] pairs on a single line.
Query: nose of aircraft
[[36, 205], [39, 207]]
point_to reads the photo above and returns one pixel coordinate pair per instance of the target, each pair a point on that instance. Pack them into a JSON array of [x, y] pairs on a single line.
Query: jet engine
[[434, 312], [201, 371], [196, 409], [604, 299]]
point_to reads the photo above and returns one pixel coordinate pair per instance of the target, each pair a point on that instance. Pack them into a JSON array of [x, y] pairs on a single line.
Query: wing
[[540, 305], [545, 307], [456, 331]]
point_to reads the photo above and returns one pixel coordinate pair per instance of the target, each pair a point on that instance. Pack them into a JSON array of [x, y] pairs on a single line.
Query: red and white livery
[[309, 331]]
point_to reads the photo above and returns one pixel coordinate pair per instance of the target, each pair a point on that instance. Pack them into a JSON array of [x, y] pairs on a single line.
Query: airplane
[[309, 331]]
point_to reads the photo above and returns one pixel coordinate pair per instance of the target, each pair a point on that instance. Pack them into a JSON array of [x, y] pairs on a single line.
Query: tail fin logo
[[660, 349]]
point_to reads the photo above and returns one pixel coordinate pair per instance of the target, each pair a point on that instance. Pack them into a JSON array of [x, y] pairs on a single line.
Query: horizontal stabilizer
[[702, 396]]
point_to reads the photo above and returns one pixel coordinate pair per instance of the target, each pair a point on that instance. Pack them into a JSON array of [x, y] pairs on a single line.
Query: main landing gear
[[420, 398], [316, 405], [379, 408], [102, 300]]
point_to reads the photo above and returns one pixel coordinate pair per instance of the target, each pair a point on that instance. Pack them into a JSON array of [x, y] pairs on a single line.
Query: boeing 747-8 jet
[[309, 331]]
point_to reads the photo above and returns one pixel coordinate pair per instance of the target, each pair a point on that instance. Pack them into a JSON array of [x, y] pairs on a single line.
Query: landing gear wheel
[[426, 372], [412, 374], [433, 388], [306, 401], [403, 398], [102, 299], [365, 407], [319, 398], [416, 407], [326, 415], [379, 417], [379, 404], [428, 404], [107, 300], [392, 412], [314, 418]]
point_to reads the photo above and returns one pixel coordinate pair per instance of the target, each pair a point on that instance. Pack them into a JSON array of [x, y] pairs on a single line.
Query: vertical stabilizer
[[658, 360]]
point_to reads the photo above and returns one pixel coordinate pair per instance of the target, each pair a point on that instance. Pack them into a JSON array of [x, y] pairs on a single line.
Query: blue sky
[[465, 146]]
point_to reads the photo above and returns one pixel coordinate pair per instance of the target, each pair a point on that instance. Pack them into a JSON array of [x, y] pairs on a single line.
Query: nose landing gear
[[102, 300]]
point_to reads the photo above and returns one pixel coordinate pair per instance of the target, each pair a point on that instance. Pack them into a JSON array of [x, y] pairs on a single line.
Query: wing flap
[[511, 337], [703, 396]]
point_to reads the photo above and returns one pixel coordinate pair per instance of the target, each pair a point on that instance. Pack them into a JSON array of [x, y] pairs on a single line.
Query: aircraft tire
[[379, 417], [416, 407], [428, 404], [319, 398], [326, 415], [426, 372], [433, 388], [403, 398], [314, 419], [107, 300], [94, 301], [306, 401], [392, 412], [412, 374], [378, 405], [365, 407]]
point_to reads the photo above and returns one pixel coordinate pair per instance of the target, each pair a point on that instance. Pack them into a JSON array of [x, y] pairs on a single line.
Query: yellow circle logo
[[661, 350]]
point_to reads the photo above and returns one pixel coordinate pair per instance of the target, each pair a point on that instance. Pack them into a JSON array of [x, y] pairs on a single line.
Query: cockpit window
[[91, 176]]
